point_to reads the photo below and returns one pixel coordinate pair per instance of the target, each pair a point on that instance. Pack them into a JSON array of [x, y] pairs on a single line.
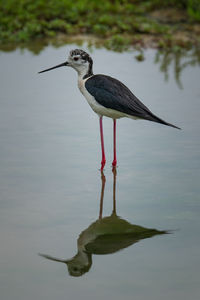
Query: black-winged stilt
[[107, 96]]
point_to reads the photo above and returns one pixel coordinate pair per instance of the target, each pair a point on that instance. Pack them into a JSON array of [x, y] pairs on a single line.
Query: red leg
[[103, 161], [114, 163]]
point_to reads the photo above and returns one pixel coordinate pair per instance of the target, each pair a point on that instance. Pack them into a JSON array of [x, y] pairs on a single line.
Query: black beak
[[58, 66]]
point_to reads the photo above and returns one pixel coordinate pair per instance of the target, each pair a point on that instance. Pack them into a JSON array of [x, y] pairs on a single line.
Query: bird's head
[[78, 60]]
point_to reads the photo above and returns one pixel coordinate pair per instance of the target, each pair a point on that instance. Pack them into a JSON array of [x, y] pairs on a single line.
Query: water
[[51, 186]]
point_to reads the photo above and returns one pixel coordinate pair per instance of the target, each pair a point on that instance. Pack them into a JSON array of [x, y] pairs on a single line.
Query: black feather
[[113, 94]]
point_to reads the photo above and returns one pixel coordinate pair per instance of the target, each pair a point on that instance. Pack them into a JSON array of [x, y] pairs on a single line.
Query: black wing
[[113, 94]]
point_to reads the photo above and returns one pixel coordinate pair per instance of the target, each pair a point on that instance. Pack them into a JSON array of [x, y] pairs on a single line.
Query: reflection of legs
[[103, 181], [114, 163], [103, 161], [114, 190]]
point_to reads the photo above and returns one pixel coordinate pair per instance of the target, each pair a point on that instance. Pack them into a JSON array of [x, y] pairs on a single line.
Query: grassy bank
[[118, 24]]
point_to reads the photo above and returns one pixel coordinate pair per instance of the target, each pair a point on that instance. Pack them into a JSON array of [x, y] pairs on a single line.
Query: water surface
[[51, 186]]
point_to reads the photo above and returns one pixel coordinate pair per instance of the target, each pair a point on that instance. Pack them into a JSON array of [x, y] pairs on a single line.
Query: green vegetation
[[117, 23]]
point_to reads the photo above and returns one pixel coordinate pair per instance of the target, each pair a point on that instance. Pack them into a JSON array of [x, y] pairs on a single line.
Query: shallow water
[[51, 186]]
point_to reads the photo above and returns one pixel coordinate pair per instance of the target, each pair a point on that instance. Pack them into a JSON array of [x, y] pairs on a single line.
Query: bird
[[107, 97]]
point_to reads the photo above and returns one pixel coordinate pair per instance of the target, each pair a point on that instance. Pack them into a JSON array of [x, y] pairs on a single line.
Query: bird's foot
[[103, 162], [114, 163]]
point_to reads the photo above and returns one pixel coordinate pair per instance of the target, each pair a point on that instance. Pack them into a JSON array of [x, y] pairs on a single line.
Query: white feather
[[98, 108]]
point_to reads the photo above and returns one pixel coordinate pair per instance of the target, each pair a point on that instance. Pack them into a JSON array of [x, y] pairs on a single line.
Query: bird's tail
[[158, 120]]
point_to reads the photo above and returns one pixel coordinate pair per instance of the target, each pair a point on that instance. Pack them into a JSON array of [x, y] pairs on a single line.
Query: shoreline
[[182, 39]]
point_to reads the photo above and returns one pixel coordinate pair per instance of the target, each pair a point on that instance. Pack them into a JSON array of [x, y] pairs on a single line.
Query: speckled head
[[78, 60], [80, 54], [81, 62]]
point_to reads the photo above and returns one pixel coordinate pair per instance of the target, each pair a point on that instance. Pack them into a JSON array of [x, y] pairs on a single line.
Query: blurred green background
[[118, 22]]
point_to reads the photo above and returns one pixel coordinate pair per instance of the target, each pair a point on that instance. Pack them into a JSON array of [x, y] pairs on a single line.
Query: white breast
[[98, 108]]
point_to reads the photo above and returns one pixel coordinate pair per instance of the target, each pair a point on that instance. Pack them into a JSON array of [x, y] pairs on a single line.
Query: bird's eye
[[75, 58]]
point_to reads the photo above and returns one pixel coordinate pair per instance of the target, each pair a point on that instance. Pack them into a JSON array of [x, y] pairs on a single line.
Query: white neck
[[82, 70]]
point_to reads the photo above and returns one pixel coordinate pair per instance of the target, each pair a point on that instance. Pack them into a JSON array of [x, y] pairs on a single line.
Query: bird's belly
[[98, 108]]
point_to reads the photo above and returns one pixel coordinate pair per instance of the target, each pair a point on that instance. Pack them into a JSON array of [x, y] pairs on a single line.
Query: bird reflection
[[106, 235]]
